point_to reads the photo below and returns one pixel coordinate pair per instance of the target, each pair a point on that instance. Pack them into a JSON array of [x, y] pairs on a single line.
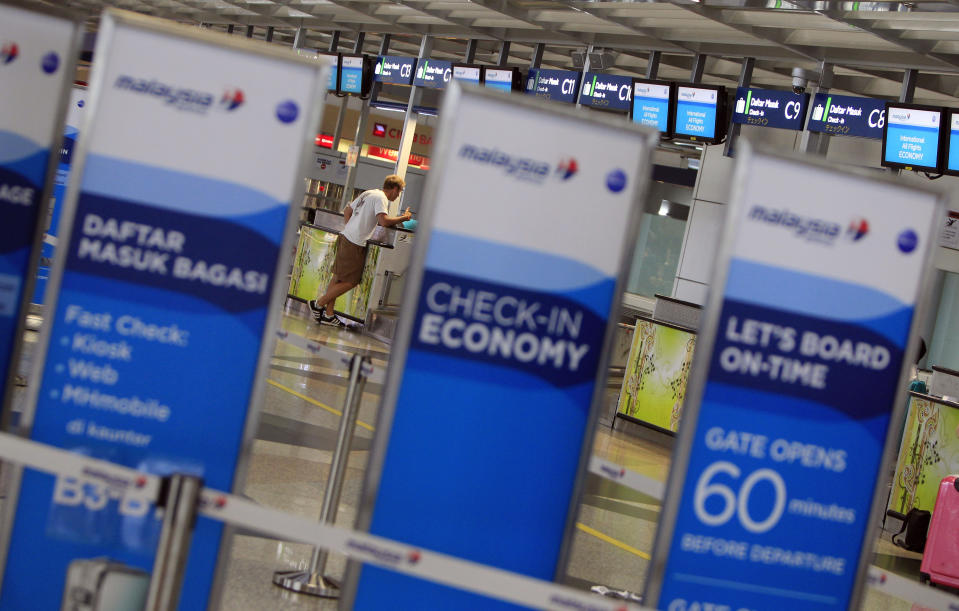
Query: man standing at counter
[[362, 215]]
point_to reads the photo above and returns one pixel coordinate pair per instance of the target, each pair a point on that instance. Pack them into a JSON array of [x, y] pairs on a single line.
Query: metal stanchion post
[[179, 497], [313, 581]]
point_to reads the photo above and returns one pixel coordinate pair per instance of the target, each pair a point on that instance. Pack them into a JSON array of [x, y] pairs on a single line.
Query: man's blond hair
[[393, 181]]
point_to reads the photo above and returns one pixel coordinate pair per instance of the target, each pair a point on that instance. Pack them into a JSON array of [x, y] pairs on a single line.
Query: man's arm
[[347, 213], [389, 221]]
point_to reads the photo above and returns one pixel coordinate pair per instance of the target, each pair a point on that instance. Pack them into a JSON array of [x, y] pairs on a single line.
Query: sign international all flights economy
[[812, 324], [494, 339], [171, 259]]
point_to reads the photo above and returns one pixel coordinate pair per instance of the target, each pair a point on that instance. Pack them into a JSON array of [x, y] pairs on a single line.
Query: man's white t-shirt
[[365, 208]]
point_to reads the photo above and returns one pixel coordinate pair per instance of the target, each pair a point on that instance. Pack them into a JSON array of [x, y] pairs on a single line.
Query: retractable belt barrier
[[400, 557], [376, 375]]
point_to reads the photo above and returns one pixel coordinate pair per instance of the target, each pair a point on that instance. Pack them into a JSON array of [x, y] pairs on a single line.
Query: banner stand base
[[305, 582]]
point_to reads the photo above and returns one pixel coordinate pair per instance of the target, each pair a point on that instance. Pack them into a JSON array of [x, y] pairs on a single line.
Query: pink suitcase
[[940, 559]]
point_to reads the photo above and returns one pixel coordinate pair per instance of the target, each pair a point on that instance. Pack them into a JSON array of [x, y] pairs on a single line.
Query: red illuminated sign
[[379, 130], [322, 140]]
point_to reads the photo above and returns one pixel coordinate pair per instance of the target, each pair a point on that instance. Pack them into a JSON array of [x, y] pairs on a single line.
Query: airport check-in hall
[[479, 305]]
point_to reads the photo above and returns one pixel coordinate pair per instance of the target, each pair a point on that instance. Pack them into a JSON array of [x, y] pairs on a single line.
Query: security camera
[[801, 78]]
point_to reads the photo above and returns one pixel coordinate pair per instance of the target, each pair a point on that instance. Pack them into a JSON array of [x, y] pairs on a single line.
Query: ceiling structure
[[869, 47]]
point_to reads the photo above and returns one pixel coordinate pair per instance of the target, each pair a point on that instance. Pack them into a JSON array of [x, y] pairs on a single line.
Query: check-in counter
[[313, 263], [657, 371], [929, 451]]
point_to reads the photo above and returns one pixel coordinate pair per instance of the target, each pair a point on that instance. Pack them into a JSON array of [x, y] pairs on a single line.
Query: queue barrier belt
[[401, 557], [375, 375]]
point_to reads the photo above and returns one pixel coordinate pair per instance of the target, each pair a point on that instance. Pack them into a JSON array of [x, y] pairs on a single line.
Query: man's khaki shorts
[[350, 258]]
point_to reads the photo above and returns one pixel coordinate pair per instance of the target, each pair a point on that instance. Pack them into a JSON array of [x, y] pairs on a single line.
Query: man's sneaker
[[314, 309], [333, 321]]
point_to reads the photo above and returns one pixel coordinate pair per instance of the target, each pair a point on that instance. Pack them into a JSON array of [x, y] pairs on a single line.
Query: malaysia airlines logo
[[567, 168], [858, 229], [9, 52], [232, 99]]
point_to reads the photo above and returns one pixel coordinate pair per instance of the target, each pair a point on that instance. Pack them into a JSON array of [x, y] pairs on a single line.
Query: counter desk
[[928, 452], [313, 264]]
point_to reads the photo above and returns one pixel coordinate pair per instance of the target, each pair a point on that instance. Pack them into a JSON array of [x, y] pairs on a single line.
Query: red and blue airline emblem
[[858, 228], [567, 168], [232, 99], [9, 52]]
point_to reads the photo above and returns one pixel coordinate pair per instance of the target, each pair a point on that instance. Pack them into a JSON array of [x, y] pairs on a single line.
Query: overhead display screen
[[607, 91], [770, 108], [697, 111], [394, 69], [843, 115], [651, 104], [500, 78], [433, 73], [558, 85], [351, 74], [912, 137], [952, 165], [468, 74]]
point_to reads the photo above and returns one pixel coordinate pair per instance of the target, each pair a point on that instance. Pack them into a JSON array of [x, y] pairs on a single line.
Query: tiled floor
[[294, 445]]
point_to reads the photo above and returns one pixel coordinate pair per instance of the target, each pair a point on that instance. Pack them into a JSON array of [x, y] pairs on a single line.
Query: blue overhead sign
[[792, 408], [433, 73], [558, 85], [844, 115], [607, 91], [770, 108], [394, 69]]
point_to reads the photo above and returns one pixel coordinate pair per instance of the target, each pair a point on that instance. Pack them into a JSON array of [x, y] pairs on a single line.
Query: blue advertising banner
[[78, 101], [557, 85], [499, 79], [770, 108], [433, 73], [912, 137], [844, 115], [696, 112], [37, 52], [394, 69], [351, 74], [607, 91], [170, 253], [791, 406], [651, 105], [490, 338]]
